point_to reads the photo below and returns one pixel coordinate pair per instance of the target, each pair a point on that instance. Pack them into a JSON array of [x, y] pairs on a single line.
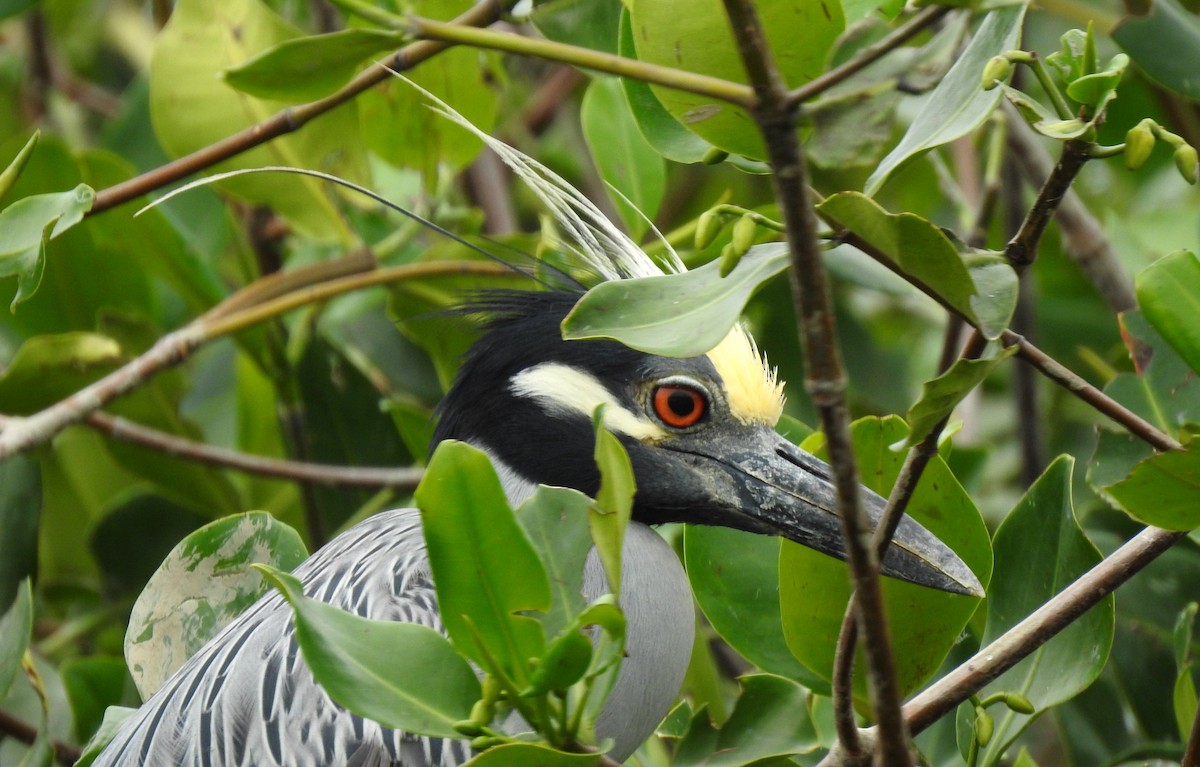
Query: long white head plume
[[589, 235]]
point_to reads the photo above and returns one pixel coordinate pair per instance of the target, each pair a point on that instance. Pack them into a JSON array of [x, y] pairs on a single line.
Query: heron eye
[[679, 406]]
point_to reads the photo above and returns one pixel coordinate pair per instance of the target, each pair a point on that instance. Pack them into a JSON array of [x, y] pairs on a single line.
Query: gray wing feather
[[247, 697]]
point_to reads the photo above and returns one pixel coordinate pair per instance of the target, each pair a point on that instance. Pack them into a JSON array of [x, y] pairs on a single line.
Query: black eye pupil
[[681, 403]]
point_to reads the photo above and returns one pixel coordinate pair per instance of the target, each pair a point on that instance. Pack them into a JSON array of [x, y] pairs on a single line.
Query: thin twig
[[21, 434], [868, 55], [1022, 248], [679, 79], [340, 476], [286, 120], [65, 753], [825, 378], [1084, 240]]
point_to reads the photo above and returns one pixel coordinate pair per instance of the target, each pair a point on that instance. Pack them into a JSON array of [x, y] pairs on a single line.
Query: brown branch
[[287, 120], [825, 379], [324, 474], [1083, 238], [21, 434], [1023, 247], [65, 753], [868, 55]]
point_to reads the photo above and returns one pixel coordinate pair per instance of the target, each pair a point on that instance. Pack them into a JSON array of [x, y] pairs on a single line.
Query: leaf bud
[[714, 156], [1187, 162], [729, 259], [484, 742], [482, 712], [468, 727], [1019, 703], [1139, 142], [997, 68], [984, 725], [707, 228], [743, 234]]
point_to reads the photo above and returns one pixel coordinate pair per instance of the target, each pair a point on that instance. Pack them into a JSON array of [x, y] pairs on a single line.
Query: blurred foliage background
[[118, 88]]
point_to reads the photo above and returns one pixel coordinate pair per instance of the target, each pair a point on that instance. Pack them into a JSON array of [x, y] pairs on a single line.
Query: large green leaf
[[735, 577], [204, 583], [958, 105], [662, 131], [626, 162], [556, 521], [192, 108], [679, 315], [20, 510], [583, 23], [309, 68], [1168, 293], [28, 224], [814, 588], [1162, 489], [980, 285], [1039, 550], [114, 716], [487, 572], [769, 722], [45, 369], [1165, 44], [355, 660], [696, 36]]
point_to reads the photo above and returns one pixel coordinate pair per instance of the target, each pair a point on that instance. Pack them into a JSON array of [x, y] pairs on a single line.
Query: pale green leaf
[[678, 315], [941, 395], [958, 105], [205, 582], [1168, 294]]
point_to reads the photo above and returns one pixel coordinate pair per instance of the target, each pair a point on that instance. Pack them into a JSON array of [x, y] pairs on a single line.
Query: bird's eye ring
[[679, 406]]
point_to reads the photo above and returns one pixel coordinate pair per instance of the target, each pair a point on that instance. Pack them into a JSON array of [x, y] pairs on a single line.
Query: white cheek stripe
[[563, 389]]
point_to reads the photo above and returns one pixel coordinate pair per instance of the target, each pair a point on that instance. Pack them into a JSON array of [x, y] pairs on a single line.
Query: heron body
[[699, 432]]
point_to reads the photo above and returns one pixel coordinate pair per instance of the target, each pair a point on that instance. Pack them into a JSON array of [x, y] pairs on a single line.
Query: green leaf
[[114, 716], [814, 588], [16, 623], [770, 721], [28, 224], [735, 577], [1183, 699], [661, 130], [696, 37], [20, 511], [13, 171], [205, 582], [1162, 489], [583, 23], [958, 105], [1168, 293], [1184, 635], [980, 285], [678, 315], [1165, 44], [941, 395], [555, 521], [1164, 390], [610, 515], [355, 660], [1040, 549], [45, 369], [531, 755], [486, 571], [626, 162], [192, 108], [310, 68]]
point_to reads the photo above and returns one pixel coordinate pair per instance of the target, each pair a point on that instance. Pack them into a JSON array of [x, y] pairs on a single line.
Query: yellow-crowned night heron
[[699, 432]]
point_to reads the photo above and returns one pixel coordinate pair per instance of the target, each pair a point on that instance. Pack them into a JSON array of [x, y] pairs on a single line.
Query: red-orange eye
[[679, 406]]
